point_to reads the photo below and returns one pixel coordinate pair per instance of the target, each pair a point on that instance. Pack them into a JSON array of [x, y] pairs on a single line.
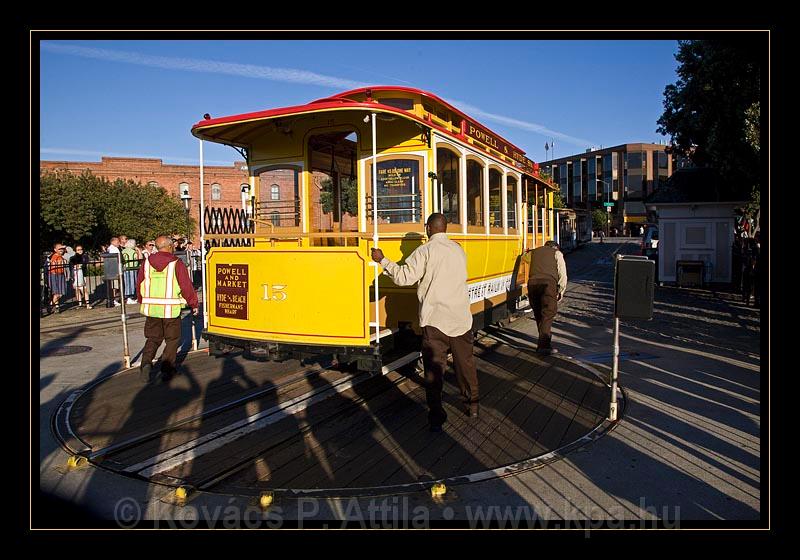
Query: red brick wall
[[229, 179], [167, 176]]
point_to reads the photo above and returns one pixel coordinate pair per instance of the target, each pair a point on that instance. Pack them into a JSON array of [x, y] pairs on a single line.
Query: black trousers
[[543, 295], [435, 346], [157, 331]]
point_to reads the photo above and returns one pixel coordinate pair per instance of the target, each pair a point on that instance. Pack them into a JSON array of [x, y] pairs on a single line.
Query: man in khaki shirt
[[440, 267], [547, 282]]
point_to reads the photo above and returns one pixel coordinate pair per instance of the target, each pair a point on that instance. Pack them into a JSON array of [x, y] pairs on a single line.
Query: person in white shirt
[[440, 267], [113, 247]]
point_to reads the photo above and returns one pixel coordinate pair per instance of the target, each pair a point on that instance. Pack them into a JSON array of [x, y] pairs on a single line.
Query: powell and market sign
[[499, 145]]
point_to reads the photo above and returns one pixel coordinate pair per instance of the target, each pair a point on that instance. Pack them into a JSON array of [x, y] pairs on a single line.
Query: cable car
[[335, 177]]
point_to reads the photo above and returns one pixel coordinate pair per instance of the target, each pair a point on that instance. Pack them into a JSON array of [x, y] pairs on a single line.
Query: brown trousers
[[156, 331], [543, 297], [435, 346]]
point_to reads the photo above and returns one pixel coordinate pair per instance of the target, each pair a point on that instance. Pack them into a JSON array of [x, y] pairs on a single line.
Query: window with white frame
[[511, 202], [216, 191]]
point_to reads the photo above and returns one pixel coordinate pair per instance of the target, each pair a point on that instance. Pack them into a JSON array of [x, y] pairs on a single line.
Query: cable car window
[[474, 193], [398, 102], [511, 202], [279, 197], [448, 175], [495, 202], [399, 195]]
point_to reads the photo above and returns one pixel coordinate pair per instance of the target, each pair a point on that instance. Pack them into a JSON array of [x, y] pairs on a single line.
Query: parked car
[[650, 242]]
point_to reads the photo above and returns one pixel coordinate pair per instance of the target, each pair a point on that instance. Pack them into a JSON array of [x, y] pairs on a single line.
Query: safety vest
[[160, 292]]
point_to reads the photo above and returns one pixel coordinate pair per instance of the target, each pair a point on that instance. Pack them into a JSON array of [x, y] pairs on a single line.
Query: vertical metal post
[[413, 201], [127, 354], [375, 224], [608, 211], [544, 235], [504, 203], [524, 216], [203, 243], [558, 227], [612, 411]]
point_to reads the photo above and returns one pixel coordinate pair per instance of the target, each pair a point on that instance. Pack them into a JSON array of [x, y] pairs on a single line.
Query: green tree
[[558, 202], [87, 209], [599, 219], [70, 208], [752, 123], [712, 112], [349, 195], [144, 211]]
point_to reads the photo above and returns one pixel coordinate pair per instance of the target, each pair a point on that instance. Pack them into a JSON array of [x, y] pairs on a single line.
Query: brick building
[[278, 191]]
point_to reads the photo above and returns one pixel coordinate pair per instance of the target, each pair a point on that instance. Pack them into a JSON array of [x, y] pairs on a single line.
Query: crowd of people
[[67, 268]]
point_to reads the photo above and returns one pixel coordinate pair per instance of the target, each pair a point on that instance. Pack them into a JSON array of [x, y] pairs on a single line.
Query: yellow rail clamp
[[180, 494], [438, 490], [266, 500], [77, 462]]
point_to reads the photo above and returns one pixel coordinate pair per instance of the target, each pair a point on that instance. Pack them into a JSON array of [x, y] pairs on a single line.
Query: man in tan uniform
[[547, 282], [440, 267]]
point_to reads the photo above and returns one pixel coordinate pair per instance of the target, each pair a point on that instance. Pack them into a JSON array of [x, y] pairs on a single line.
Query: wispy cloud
[[523, 125], [365, 71], [90, 153], [288, 75]]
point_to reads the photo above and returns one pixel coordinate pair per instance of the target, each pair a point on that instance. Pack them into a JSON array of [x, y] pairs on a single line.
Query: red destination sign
[[499, 145], [231, 291]]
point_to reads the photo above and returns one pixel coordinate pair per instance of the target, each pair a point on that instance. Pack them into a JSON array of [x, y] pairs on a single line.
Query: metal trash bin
[[690, 273], [111, 263], [184, 256]]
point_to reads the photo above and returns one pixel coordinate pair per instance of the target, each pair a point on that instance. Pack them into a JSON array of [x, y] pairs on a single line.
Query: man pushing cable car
[[440, 267]]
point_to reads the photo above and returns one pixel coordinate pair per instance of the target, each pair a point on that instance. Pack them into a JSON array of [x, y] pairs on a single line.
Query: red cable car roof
[[203, 129]]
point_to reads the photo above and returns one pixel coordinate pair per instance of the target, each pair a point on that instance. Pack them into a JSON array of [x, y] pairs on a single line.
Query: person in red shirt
[[57, 275]]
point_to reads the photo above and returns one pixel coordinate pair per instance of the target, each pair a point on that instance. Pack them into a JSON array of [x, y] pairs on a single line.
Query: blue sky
[[140, 98]]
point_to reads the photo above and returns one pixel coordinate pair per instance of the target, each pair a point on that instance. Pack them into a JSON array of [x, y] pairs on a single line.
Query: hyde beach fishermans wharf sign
[[231, 291]]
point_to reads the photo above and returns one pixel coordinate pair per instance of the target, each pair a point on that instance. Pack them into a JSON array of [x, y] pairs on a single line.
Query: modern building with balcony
[[620, 176]]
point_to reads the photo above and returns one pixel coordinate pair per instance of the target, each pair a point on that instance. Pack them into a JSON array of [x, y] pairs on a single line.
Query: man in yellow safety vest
[[163, 287]]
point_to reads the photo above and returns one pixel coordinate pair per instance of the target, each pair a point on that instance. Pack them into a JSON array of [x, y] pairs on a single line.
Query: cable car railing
[[285, 212], [395, 208], [227, 227]]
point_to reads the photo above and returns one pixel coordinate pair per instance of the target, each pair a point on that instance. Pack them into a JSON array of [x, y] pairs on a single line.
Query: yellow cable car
[[333, 178]]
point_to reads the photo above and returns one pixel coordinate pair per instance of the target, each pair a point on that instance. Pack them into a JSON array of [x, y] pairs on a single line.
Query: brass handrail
[[311, 235]]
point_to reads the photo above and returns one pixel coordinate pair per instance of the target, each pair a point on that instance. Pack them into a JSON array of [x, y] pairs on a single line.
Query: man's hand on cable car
[[377, 255]]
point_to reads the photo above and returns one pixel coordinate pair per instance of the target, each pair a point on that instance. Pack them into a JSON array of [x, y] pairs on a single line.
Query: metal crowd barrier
[[96, 282]]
